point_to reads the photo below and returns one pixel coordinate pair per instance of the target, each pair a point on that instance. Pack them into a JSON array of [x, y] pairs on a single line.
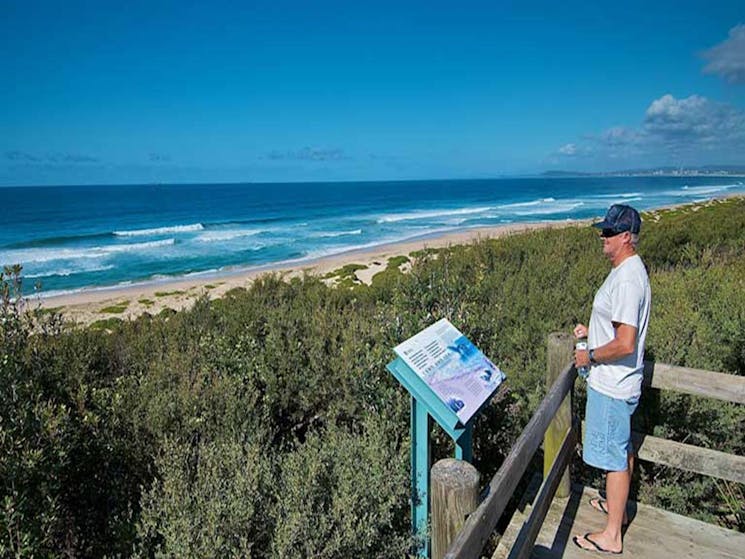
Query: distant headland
[[703, 171]]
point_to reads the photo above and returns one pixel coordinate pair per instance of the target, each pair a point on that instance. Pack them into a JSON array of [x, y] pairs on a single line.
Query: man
[[618, 329]]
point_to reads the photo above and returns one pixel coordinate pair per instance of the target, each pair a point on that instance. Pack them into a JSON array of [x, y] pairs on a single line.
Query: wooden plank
[[652, 534], [506, 541], [524, 544], [470, 541], [559, 351], [690, 458], [722, 386]]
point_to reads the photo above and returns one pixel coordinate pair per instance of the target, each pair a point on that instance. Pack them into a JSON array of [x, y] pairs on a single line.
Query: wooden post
[[560, 354], [455, 494]]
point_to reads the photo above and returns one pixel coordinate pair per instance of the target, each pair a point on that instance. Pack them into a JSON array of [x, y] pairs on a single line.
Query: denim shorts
[[607, 437]]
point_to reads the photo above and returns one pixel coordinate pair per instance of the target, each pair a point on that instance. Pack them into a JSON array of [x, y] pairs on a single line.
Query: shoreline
[[87, 306], [130, 301]]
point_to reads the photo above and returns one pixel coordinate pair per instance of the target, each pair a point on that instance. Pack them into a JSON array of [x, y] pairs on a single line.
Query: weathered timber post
[[454, 491], [559, 355]]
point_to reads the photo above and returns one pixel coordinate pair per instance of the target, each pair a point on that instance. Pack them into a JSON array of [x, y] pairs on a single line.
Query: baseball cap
[[621, 218]]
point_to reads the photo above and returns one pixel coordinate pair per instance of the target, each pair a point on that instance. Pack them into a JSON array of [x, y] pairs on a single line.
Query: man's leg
[[617, 483], [617, 494], [631, 475], [617, 486]]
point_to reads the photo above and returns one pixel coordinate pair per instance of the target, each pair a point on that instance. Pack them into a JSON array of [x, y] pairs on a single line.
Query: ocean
[[69, 238]]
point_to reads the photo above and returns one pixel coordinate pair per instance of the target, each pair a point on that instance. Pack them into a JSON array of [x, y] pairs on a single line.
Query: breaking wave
[[160, 230]]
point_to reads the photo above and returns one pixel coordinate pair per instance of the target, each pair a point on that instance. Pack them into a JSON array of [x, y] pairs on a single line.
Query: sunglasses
[[608, 233]]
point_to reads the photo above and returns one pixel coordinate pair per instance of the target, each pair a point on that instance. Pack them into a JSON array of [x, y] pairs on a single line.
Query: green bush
[[264, 423], [344, 494], [211, 500]]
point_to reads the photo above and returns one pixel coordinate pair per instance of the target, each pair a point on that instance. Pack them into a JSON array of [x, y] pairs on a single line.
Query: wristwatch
[[591, 354]]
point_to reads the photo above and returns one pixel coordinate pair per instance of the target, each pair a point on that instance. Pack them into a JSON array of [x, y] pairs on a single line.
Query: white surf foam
[[619, 195], [134, 247], [64, 272], [532, 203], [542, 206], [160, 230], [428, 214], [330, 234], [603, 200], [703, 190], [37, 255], [226, 235]]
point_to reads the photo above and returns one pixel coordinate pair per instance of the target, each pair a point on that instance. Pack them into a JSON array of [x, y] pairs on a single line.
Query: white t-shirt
[[625, 297]]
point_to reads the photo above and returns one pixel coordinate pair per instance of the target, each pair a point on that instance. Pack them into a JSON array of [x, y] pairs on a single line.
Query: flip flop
[[598, 503], [595, 547]]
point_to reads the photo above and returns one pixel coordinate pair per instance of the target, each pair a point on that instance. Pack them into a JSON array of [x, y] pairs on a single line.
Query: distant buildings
[[707, 171]]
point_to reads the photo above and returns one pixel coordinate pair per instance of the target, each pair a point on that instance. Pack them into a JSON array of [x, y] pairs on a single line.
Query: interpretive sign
[[453, 368], [449, 380]]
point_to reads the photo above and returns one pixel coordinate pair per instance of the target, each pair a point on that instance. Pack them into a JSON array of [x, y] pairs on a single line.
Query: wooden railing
[[697, 382], [552, 425]]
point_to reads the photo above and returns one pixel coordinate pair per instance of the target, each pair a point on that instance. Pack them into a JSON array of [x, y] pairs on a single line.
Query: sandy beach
[[131, 301]]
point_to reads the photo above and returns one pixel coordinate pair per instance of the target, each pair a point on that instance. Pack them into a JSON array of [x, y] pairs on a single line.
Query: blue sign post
[[425, 404]]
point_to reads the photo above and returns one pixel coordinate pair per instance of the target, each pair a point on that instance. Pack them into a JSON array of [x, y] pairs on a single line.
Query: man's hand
[[623, 344], [580, 331], [581, 356]]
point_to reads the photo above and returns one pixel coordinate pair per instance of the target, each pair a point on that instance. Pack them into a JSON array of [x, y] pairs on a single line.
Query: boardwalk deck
[[652, 534]]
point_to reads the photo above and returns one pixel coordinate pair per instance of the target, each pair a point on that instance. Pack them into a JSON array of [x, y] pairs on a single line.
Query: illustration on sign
[[455, 369]]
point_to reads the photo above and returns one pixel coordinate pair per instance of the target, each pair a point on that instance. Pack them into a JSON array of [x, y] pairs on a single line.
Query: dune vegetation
[[265, 424]]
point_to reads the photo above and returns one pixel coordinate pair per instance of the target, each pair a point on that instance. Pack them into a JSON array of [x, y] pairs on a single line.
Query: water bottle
[[583, 372]]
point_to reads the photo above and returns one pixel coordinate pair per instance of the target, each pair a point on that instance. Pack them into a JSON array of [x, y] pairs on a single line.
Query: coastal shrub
[[106, 324], [384, 283], [169, 293], [69, 481], [345, 271], [344, 494], [211, 500], [397, 261], [264, 423], [683, 237], [31, 429], [118, 308], [699, 319]]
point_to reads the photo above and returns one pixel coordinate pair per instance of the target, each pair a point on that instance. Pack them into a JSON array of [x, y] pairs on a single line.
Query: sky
[[105, 92]]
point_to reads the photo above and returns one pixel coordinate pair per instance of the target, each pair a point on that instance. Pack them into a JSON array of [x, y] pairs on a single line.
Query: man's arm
[[623, 344]]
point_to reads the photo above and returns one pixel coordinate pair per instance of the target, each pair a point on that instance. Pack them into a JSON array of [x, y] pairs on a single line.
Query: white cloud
[[618, 136], [694, 120], [727, 59], [694, 128]]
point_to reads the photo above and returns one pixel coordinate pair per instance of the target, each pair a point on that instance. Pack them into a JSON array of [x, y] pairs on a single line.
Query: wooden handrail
[[698, 382], [480, 524]]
